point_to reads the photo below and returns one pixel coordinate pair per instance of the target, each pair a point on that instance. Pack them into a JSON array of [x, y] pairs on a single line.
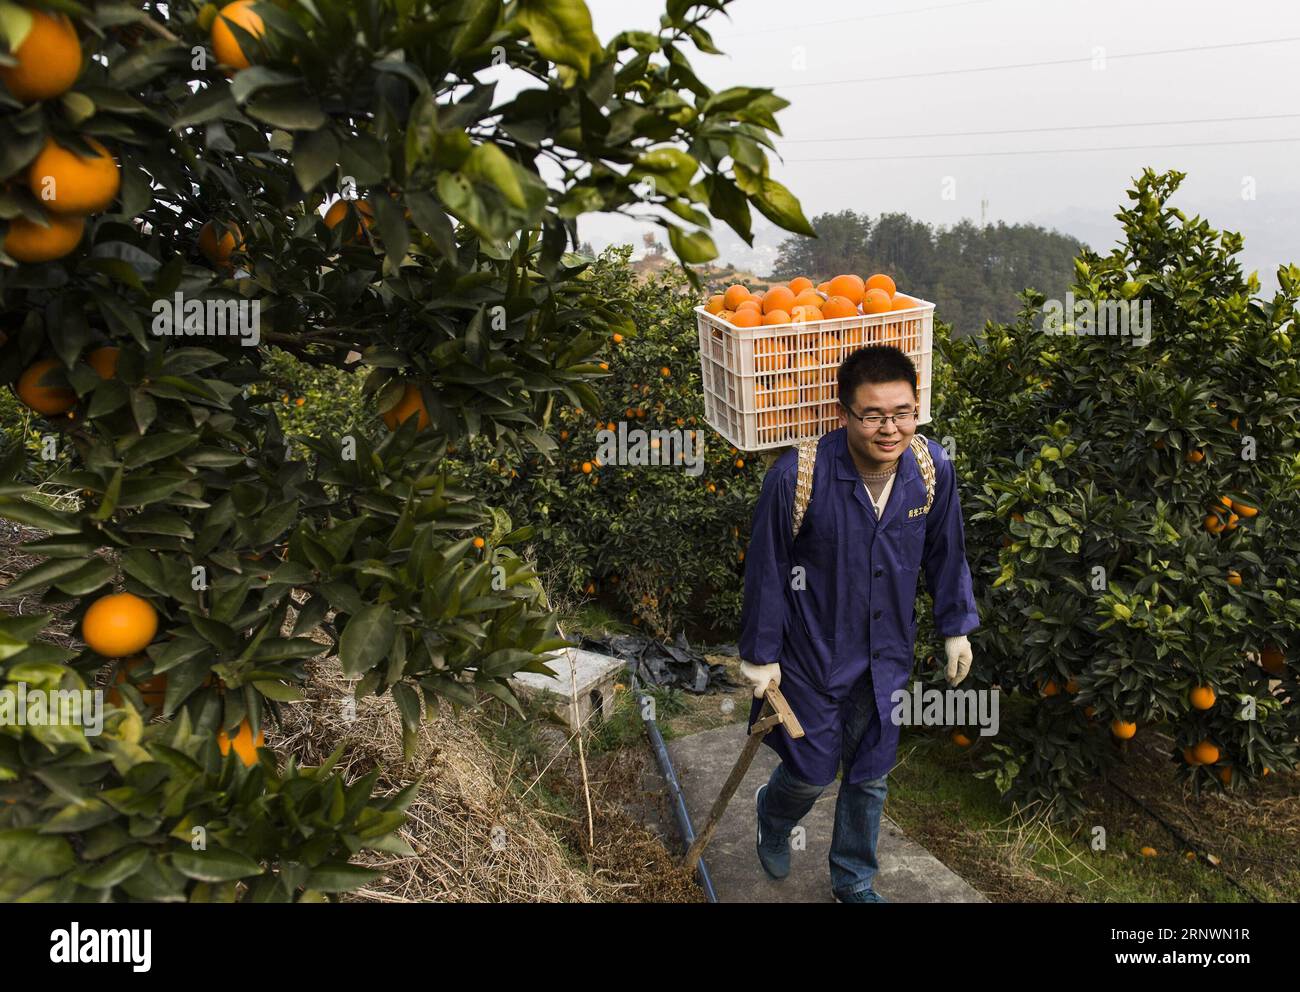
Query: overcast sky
[[1073, 178]]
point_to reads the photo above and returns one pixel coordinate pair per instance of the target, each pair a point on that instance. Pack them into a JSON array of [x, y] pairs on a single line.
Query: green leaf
[[340, 877], [692, 248], [505, 662], [77, 107], [291, 111], [256, 78], [214, 865], [76, 817], [476, 26], [93, 575], [42, 575], [408, 702], [779, 205], [671, 167], [562, 31], [366, 639], [392, 227], [26, 512], [315, 158], [115, 870], [15, 23], [208, 104], [26, 852], [488, 163], [155, 447], [278, 691]]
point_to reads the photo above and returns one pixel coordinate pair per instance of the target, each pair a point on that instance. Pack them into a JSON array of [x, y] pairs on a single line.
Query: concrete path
[[908, 872]]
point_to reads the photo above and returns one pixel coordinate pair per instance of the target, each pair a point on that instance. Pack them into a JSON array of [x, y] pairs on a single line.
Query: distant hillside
[[715, 278], [971, 273]]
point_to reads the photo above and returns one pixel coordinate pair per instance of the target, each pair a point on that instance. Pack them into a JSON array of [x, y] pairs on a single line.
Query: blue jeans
[[857, 807]]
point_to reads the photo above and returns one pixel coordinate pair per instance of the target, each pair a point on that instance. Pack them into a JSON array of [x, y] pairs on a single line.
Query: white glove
[[959, 657], [761, 675]]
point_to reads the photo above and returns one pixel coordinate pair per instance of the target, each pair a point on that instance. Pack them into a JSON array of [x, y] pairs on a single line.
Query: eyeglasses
[[873, 421]]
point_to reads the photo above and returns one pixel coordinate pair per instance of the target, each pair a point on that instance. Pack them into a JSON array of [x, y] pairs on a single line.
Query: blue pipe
[[679, 801]]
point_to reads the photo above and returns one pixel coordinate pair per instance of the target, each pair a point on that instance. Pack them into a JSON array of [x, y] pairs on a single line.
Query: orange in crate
[[830, 349], [881, 281], [778, 298], [911, 335], [851, 287], [787, 393], [836, 307], [808, 364], [735, 296], [876, 301], [769, 382]]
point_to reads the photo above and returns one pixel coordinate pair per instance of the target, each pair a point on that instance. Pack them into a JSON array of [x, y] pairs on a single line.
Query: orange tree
[[177, 155], [663, 543], [1135, 529]]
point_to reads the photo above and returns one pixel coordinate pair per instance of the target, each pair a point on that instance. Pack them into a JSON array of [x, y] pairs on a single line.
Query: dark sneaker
[[862, 895], [773, 854]]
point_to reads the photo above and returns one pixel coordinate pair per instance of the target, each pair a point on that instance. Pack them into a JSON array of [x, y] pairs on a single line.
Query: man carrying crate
[[842, 529]]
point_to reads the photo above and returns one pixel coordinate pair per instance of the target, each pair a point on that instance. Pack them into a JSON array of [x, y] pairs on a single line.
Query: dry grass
[[475, 825], [1034, 852], [474, 841]]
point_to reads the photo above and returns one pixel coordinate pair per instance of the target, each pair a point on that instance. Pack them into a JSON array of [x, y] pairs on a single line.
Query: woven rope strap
[[804, 480], [808, 461], [921, 451]]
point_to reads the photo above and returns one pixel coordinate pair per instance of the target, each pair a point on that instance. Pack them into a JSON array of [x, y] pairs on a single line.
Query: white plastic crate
[[771, 386]]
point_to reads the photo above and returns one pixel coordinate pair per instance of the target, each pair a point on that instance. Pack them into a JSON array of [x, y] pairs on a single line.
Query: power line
[[861, 17], [1043, 151], [1039, 130], [1038, 65]]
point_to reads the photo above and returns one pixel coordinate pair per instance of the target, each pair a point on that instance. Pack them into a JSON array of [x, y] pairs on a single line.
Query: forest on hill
[[972, 273]]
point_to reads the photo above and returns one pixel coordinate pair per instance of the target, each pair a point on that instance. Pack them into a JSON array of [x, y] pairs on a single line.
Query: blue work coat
[[840, 599]]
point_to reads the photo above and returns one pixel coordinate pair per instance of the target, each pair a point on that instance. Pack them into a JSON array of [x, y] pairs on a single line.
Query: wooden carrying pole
[[775, 712]]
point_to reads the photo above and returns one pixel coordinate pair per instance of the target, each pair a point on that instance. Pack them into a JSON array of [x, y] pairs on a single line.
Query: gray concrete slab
[[908, 872], [595, 676]]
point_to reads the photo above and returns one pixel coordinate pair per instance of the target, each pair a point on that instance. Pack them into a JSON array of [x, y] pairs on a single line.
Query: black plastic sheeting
[[675, 665]]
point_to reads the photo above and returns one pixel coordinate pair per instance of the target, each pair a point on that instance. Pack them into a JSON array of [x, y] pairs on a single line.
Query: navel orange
[[225, 46], [49, 59], [67, 182], [119, 624], [45, 398], [411, 404]]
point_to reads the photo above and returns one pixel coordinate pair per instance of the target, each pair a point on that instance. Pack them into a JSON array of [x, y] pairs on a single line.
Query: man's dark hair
[[875, 363]]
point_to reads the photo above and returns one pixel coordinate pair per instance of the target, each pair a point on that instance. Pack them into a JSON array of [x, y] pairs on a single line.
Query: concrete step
[[908, 872]]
